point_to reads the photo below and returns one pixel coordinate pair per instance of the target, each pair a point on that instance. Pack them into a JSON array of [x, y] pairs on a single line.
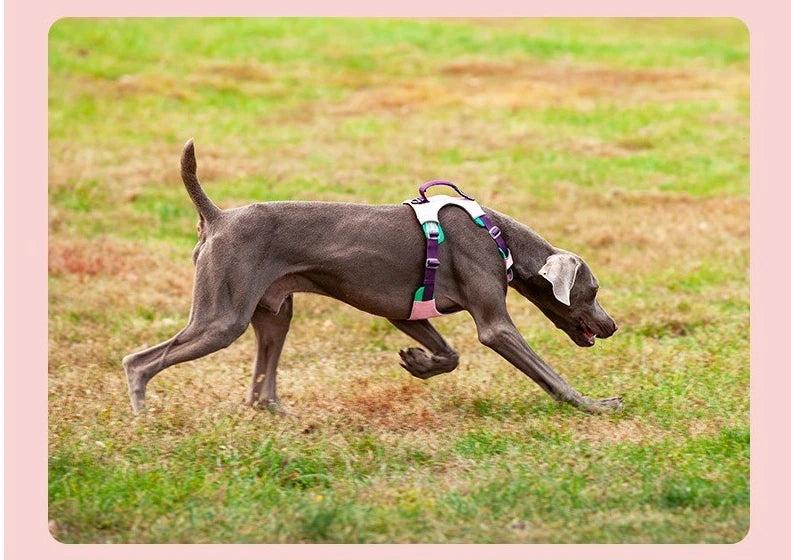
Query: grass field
[[625, 141]]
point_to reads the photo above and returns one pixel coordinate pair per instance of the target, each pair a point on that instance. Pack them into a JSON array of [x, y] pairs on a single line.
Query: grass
[[622, 140]]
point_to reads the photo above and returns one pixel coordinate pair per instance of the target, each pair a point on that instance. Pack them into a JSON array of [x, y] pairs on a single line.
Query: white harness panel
[[429, 211]]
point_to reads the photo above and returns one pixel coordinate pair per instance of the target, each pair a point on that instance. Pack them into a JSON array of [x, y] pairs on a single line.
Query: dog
[[250, 260]]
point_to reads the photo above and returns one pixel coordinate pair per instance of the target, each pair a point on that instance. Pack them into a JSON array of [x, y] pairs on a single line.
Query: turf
[[623, 140]]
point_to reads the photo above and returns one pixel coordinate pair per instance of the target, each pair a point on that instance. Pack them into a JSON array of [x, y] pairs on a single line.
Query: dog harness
[[427, 212]]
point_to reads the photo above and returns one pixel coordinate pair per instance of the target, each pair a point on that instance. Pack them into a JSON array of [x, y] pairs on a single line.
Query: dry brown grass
[[602, 430], [100, 256], [517, 85], [662, 230], [246, 71], [123, 173]]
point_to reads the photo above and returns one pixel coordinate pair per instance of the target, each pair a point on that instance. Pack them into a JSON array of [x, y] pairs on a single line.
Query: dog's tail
[[203, 204]]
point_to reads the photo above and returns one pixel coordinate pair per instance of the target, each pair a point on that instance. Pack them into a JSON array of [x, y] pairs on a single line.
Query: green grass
[[623, 140]]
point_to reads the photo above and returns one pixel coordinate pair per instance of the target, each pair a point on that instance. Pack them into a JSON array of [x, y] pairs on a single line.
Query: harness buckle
[[495, 232], [432, 230], [432, 263]]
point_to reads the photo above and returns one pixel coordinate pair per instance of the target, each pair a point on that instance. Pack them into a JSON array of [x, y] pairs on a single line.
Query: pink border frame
[[26, 30]]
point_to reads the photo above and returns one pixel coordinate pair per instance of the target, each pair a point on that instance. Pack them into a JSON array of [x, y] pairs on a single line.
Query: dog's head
[[564, 289]]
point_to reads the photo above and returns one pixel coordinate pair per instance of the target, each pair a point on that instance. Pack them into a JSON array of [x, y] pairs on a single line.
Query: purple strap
[[432, 264], [496, 234], [422, 190]]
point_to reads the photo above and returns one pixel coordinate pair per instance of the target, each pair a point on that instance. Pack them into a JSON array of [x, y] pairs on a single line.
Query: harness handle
[[422, 190]]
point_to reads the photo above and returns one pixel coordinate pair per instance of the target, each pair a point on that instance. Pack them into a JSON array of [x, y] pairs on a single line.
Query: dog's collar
[[427, 213]]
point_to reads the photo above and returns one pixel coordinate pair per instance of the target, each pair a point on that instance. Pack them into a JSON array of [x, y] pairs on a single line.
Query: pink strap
[[424, 310]]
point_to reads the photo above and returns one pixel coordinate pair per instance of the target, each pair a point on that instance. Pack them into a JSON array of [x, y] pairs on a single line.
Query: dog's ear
[[561, 271]]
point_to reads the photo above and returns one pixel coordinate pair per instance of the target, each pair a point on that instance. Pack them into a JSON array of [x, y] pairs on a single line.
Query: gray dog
[[250, 260]]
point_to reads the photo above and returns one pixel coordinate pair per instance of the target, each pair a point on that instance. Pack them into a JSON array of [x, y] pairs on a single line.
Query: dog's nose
[[608, 331]]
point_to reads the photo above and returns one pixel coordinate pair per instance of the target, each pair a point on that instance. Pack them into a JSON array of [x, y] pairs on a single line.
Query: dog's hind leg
[[196, 340], [443, 358], [222, 305], [270, 334]]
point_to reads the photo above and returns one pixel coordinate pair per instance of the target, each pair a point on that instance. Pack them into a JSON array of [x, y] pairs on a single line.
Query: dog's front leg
[[497, 331], [443, 358], [270, 335]]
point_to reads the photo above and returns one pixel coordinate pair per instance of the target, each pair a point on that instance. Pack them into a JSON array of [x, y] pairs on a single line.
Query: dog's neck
[[529, 250]]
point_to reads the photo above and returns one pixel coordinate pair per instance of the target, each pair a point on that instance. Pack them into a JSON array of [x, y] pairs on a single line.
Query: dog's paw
[[415, 361], [422, 365], [138, 401], [275, 407], [604, 406]]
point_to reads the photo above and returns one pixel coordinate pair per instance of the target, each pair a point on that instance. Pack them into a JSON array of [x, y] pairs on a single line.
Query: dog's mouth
[[586, 336], [590, 338]]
